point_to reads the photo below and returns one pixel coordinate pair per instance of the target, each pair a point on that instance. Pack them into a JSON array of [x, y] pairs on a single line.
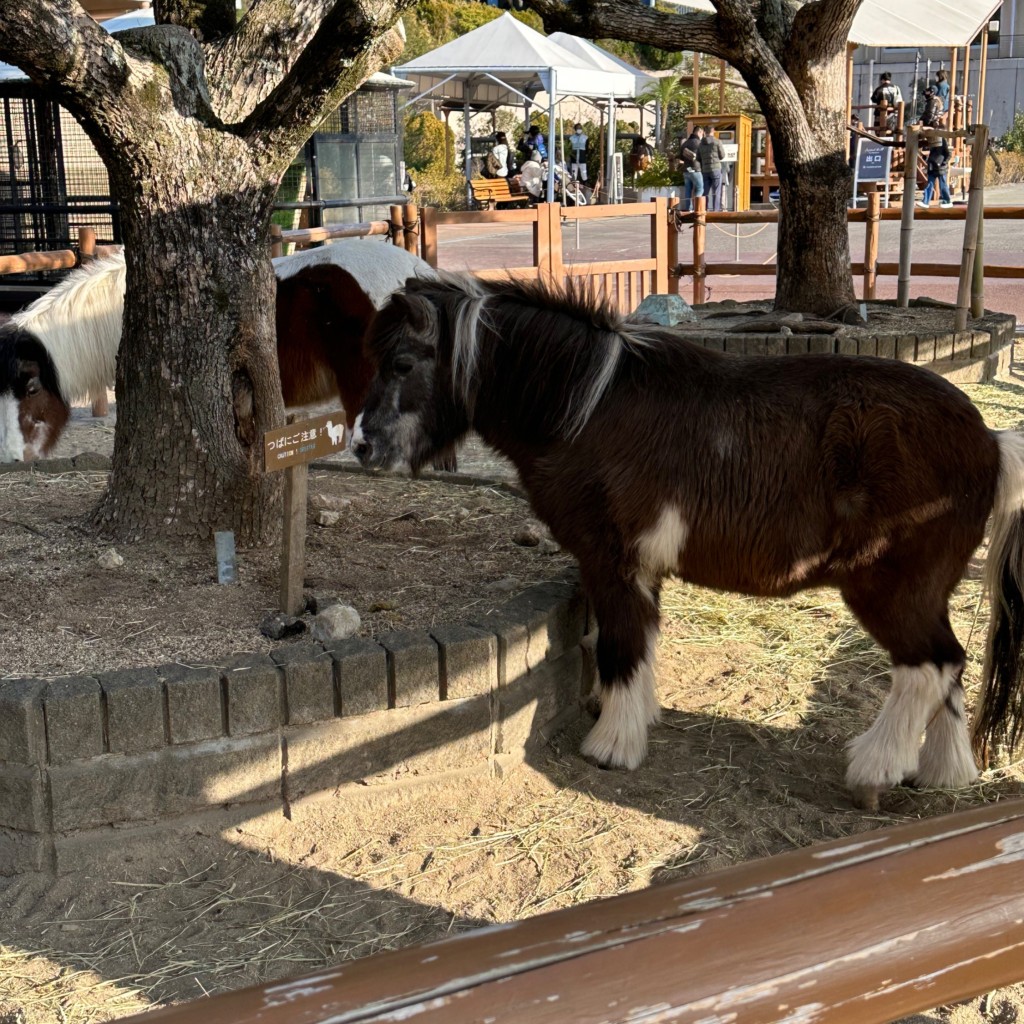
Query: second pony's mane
[[566, 334], [79, 324]]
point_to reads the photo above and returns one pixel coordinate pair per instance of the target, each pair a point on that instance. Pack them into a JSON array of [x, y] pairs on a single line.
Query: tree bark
[[196, 122], [791, 53]]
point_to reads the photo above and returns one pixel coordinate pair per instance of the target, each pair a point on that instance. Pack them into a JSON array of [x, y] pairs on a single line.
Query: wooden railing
[[624, 282], [861, 930]]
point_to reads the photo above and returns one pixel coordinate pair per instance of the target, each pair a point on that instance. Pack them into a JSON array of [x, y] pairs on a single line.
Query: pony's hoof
[[865, 798]]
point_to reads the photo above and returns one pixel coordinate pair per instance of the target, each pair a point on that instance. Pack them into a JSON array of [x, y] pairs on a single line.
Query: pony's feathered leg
[[999, 717], [627, 619]]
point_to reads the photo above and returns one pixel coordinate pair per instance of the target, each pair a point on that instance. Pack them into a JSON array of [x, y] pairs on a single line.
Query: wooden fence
[[856, 931], [625, 282]]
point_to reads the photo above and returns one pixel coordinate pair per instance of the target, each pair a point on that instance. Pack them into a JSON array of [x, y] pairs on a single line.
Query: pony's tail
[[999, 717]]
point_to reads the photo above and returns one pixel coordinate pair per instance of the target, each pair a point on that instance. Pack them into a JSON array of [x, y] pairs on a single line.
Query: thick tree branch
[[64, 52], [205, 19], [822, 27], [634, 22]]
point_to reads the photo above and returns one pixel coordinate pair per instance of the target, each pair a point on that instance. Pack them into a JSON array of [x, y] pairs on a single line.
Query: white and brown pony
[[650, 456], [64, 345]]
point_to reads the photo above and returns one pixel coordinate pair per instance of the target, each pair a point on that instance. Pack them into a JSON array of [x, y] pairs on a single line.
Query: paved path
[[470, 247]]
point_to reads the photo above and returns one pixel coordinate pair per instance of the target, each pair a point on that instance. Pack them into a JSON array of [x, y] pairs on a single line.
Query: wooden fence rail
[[624, 282], [857, 931]]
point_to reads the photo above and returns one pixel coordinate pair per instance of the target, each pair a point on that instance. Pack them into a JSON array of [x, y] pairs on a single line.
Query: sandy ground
[[758, 697]]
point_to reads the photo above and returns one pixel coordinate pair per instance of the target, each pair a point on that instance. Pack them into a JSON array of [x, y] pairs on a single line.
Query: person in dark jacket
[[938, 163], [710, 154]]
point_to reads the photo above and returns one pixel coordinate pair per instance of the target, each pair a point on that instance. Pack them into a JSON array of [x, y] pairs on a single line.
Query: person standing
[[942, 89], [535, 141], [693, 180], [885, 98], [578, 149], [710, 154], [938, 163], [497, 162]]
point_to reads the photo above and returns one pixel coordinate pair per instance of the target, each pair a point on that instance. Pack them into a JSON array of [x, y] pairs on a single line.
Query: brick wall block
[[847, 346], [797, 345], [253, 686], [887, 348], [135, 710], [194, 709], [469, 661], [774, 345], [308, 681], [528, 705], [906, 348], [74, 718], [736, 343], [413, 667], [22, 728], [943, 346], [397, 746], [962, 345], [867, 346], [513, 643], [164, 783], [22, 804], [361, 675], [23, 851]]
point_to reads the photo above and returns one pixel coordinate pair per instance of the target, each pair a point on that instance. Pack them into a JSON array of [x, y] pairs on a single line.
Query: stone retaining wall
[[84, 755]]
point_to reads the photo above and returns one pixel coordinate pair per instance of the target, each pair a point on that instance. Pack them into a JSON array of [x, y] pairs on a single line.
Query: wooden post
[[86, 245], [907, 218], [874, 215], [428, 234], [659, 245], [721, 88], [952, 89], [276, 241], [978, 277], [700, 220], [293, 537], [410, 228], [696, 82], [672, 247], [967, 82], [396, 232], [972, 226]]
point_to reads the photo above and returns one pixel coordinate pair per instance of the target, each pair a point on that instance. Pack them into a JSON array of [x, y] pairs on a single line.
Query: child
[[938, 161]]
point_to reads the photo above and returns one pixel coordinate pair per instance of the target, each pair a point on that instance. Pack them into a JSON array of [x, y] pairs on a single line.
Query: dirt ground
[[758, 697]]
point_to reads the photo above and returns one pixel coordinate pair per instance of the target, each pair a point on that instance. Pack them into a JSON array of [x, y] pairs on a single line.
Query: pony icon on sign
[[336, 433]]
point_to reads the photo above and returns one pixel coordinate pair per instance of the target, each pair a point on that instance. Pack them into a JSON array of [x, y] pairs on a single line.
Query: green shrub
[[1013, 140], [658, 175], [440, 190], [425, 140]]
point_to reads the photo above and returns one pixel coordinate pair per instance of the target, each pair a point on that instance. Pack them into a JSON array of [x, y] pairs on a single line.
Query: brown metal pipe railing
[[856, 931]]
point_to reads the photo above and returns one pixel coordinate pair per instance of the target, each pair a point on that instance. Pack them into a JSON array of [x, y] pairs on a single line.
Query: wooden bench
[[490, 192]]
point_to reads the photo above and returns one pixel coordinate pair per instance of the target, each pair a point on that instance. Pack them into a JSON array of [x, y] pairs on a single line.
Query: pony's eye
[[403, 366], [33, 387]]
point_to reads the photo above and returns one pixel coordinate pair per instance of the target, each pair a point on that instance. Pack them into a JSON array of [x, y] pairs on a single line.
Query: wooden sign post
[[291, 449]]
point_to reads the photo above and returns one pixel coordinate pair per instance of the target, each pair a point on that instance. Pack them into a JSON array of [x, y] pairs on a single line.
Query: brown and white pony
[[647, 456], [64, 345]]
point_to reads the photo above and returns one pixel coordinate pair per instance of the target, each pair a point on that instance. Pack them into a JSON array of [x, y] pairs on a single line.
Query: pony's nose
[[361, 449]]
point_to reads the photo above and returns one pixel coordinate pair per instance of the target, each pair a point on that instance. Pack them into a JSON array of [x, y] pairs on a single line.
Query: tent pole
[[613, 182], [469, 145], [561, 147], [551, 142]]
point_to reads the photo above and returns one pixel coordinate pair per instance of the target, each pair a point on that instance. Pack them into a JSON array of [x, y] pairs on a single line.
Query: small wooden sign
[[290, 449], [304, 441]]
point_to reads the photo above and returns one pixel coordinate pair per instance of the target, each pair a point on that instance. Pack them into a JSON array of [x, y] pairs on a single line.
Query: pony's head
[[32, 412], [414, 411]]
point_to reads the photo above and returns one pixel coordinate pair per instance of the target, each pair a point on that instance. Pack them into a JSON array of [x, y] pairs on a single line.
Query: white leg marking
[[888, 752], [628, 707], [661, 547], [357, 433], [12, 442], [947, 761]]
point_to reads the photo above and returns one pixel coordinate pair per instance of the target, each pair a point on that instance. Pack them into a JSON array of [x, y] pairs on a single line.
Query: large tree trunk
[[197, 375]]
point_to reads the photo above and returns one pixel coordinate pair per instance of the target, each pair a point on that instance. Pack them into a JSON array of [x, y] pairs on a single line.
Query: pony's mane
[[572, 333], [79, 324]]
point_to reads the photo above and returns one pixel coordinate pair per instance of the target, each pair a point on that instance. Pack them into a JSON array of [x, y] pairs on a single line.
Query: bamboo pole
[[396, 230], [276, 241], [978, 277], [871, 244], [700, 206], [907, 218], [428, 234], [967, 81], [972, 227], [983, 74]]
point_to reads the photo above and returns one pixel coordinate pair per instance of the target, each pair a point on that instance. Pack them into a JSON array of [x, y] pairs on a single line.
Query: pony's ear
[[417, 310]]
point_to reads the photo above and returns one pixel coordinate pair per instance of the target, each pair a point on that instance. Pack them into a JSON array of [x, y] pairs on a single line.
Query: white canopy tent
[[506, 63], [908, 23]]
